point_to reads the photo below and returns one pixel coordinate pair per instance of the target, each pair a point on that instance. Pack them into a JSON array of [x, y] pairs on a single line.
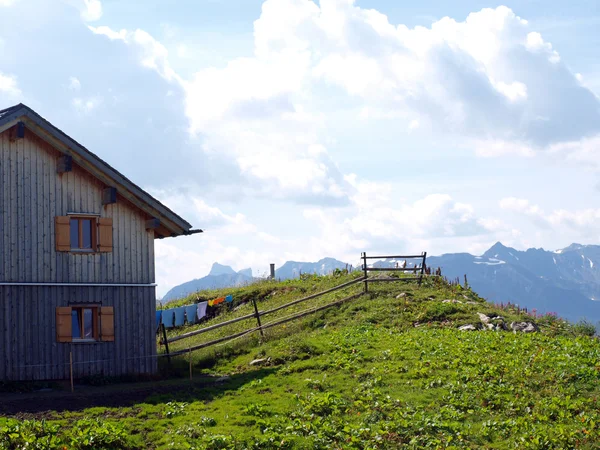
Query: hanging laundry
[[167, 318], [158, 317], [201, 312], [229, 299], [218, 301], [179, 316], [210, 302], [190, 313]]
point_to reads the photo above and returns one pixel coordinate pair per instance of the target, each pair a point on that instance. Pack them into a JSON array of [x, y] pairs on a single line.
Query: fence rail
[[258, 314]]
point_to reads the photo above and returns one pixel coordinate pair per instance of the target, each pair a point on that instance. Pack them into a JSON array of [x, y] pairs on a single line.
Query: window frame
[[94, 232], [80, 318]]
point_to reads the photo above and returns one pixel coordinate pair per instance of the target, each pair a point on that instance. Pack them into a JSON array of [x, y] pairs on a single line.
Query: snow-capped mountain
[[565, 281]]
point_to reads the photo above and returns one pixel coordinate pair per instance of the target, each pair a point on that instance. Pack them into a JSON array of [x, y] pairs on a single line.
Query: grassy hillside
[[387, 370]]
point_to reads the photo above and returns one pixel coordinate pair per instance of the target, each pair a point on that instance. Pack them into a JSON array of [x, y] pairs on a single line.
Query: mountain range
[[565, 282], [220, 276]]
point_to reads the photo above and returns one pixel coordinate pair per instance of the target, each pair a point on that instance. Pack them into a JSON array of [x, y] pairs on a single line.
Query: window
[[85, 323], [82, 233]]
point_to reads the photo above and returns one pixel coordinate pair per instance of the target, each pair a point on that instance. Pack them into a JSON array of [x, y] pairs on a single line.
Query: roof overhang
[[171, 224]]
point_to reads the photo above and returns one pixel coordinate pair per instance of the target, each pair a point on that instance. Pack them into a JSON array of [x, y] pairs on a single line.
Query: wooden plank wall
[[33, 194], [28, 347]]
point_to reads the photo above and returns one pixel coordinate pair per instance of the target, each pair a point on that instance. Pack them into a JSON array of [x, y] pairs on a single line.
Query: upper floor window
[[83, 233]]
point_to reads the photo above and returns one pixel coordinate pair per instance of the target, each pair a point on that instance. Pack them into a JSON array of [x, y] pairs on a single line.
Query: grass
[[382, 371]]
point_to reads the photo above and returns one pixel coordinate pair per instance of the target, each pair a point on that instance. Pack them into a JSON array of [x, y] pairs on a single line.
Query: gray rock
[[403, 294], [260, 361], [451, 301], [524, 327], [222, 379], [485, 319], [472, 303], [467, 328]]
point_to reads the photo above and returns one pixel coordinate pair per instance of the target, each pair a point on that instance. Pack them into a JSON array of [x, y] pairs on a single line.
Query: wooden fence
[[258, 314], [417, 269]]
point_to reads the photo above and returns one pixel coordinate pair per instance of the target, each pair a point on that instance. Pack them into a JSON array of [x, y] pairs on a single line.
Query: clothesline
[[177, 317]]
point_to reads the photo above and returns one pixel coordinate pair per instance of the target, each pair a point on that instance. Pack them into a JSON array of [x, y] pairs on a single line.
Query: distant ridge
[[221, 276], [565, 281], [293, 269]]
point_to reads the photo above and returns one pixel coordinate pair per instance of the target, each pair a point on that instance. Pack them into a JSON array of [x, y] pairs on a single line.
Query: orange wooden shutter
[[105, 234], [107, 324], [63, 324], [62, 233]]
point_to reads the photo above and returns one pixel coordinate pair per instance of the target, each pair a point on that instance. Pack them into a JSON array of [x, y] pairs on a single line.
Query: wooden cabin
[[76, 257]]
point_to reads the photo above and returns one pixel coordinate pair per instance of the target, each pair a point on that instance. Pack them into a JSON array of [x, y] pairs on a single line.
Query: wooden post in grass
[[364, 258], [272, 267], [422, 268], [166, 342], [256, 313], [190, 353], [71, 369]]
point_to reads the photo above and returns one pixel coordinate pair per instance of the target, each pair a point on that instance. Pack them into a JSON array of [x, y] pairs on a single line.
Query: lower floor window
[[84, 322]]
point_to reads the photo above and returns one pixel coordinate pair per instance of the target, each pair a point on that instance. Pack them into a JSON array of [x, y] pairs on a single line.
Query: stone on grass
[[524, 327], [403, 294], [483, 318], [257, 362], [468, 327], [451, 301]]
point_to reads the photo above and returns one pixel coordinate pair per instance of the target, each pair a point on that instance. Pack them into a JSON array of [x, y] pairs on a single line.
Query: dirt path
[[45, 404]]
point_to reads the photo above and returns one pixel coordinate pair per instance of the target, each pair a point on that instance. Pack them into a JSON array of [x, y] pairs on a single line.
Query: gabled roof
[[171, 224]]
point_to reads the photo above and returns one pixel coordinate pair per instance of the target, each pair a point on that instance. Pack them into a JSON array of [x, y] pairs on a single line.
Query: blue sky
[[297, 129]]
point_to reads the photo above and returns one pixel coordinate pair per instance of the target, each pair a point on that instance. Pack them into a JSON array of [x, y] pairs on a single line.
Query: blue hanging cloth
[[229, 299], [190, 313], [179, 316], [167, 318], [158, 317]]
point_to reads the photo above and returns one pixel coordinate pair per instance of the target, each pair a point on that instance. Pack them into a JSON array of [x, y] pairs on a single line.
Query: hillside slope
[[388, 370]]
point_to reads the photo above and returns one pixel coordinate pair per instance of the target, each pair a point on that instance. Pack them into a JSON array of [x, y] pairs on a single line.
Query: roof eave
[[92, 163]]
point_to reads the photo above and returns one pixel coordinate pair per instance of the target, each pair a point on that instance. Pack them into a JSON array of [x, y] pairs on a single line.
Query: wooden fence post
[[166, 342], [71, 370], [364, 258], [422, 268], [190, 354], [256, 313]]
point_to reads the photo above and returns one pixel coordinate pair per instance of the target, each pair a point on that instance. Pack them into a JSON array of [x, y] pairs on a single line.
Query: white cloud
[[485, 79], [152, 54], [7, 2], [92, 10], [8, 85], [87, 105], [89, 10], [584, 221], [74, 84]]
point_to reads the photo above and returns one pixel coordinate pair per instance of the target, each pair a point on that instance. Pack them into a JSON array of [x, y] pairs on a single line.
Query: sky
[[299, 129]]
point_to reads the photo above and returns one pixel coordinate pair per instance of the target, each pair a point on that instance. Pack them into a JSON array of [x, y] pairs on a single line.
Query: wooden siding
[[33, 194], [28, 346]]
